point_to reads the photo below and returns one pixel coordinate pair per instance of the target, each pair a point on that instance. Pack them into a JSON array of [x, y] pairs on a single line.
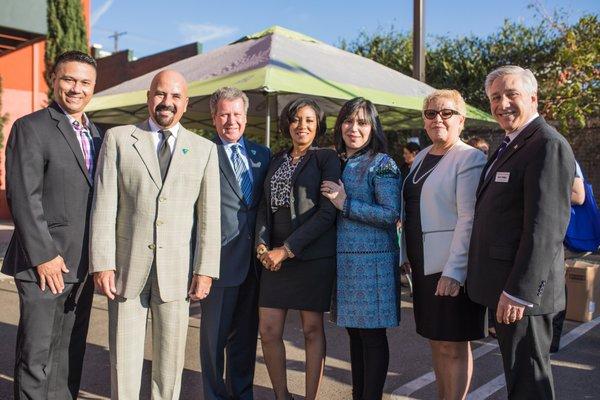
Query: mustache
[[164, 107]]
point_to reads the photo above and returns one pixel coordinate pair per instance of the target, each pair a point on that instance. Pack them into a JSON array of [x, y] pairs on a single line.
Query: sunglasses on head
[[445, 113]]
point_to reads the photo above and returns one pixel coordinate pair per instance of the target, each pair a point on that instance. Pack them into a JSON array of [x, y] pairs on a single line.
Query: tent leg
[[268, 122]]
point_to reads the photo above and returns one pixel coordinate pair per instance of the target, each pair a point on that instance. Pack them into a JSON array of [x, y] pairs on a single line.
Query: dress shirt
[[243, 153], [86, 124], [157, 137]]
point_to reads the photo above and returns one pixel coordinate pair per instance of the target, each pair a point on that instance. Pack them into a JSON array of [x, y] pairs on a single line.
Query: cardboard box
[[583, 290]]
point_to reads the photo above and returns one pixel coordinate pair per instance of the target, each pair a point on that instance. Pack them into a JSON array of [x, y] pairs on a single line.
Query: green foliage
[[564, 59], [66, 31], [573, 83]]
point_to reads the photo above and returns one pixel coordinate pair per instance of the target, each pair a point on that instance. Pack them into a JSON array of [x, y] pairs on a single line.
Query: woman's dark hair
[[377, 141], [291, 109], [412, 147]]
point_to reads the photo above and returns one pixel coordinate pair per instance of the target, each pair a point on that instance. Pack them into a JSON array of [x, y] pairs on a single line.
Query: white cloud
[[96, 14], [204, 32]]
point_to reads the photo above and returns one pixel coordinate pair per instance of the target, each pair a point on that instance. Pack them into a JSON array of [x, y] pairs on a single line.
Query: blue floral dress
[[367, 246]]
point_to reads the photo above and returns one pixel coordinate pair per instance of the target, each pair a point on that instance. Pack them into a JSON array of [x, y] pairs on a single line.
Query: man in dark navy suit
[[516, 261], [229, 321], [50, 160]]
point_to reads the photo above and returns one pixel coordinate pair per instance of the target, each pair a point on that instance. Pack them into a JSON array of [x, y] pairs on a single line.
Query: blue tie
[[502, 147], [241, 173]]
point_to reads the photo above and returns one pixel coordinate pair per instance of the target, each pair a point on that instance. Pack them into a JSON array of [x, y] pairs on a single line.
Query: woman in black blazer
[[296, 242]]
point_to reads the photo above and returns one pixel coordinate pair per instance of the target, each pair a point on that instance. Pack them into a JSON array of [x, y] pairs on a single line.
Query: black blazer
[[312, 214], [49, 195], [238, 220], [519, 225]]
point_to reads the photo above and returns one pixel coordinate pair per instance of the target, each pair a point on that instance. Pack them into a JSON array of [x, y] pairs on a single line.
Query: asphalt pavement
[[576, 367]]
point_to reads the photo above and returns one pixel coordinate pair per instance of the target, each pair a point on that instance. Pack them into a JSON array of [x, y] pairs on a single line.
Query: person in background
[[366, 299], [409, 151], [577, 199], [295, 242], [439, 201], [479, 143]]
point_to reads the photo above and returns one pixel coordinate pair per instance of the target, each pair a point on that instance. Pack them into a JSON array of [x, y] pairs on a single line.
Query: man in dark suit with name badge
[[50, 161], [516, 262], [230, 312]]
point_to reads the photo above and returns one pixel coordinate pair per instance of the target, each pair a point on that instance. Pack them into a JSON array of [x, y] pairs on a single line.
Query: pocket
[[436, 250], [504, 253]]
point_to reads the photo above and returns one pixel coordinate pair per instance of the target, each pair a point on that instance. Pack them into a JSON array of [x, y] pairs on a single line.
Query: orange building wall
[[24, 91]]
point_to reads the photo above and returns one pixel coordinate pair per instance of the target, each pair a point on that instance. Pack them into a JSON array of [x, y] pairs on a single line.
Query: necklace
[[426, 173]]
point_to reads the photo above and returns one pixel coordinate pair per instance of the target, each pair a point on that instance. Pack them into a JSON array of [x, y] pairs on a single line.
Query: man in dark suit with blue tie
[[516, 261], [229, 321]]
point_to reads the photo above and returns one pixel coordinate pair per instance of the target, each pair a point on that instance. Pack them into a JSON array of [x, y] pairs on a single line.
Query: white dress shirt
[[157, 137]]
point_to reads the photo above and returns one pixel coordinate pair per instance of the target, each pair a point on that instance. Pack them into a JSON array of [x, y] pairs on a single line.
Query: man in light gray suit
[[155, 227]]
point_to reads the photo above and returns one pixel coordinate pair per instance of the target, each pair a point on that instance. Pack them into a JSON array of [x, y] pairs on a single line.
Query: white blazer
[[447, 208]]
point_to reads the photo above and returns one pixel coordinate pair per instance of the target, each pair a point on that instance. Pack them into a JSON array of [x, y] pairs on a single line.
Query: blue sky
[[156, 25]]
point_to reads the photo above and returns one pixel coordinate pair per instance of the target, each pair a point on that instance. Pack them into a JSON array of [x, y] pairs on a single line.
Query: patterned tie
[[87, 146], [502, 147], [164, 153], [241, 173]]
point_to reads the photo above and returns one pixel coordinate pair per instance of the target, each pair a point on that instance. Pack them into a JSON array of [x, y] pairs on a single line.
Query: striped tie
[[87, 146], [241, 173]]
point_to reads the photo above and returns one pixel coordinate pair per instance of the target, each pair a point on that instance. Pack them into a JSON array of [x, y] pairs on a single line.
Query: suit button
[[152, 246], [162, 199], [159, 223]]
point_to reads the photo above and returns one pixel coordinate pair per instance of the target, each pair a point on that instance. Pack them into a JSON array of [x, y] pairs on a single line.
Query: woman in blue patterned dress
[[368, 197]]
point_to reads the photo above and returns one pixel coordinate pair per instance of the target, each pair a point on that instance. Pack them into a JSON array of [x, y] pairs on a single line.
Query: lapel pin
[[185, 150]]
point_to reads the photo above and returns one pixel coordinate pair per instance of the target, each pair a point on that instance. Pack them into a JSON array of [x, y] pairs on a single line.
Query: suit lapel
[[69, 134], [144, 145], [513, 148], [227, 170], [255, 166]]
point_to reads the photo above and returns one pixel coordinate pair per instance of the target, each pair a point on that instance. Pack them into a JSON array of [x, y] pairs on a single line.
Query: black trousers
[[369, 358], [51, 340], [229, 323], [525, 348]]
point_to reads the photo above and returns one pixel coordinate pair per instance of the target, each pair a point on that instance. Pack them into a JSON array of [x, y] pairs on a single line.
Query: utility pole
[[116, 36], [419, 40]]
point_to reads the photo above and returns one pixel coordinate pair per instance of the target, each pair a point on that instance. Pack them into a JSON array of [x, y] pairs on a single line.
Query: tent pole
[[268, 121]]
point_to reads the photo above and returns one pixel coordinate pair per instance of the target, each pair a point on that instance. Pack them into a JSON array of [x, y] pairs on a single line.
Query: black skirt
[[453, 319], [299, 284]]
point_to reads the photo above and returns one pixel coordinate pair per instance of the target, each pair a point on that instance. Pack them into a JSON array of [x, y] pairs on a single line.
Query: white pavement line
[[428, 378], [488, 389]]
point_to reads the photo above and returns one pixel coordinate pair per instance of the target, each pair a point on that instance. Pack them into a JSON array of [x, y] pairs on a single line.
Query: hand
[[50, 273], [272, 259], [447, 286], [104, 281], [508, 311], [334, 192], [200, 287], [260, 250]]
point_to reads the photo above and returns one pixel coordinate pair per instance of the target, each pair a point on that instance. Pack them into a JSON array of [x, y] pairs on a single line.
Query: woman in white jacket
[[438, 203]]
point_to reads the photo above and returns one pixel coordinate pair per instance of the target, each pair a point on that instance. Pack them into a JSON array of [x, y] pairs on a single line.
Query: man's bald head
[[167, 98]]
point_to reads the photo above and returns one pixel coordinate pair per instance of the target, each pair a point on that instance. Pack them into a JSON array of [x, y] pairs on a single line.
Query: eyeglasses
[[446, 113]]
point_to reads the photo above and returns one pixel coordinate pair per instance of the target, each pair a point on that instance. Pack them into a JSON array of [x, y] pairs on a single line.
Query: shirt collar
[[154, 127], [84, 118], [514, 134], [228, 145]]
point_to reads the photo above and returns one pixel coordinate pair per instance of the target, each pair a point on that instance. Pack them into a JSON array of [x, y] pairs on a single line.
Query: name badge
[[502, 177]]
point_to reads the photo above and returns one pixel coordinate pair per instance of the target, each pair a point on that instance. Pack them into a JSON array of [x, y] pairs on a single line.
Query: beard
[[164, 120]]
